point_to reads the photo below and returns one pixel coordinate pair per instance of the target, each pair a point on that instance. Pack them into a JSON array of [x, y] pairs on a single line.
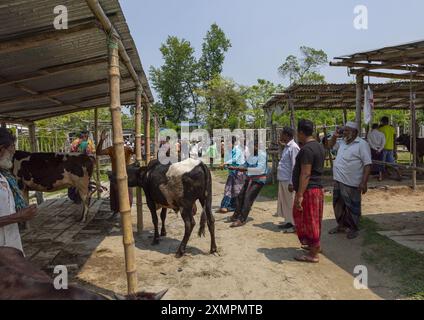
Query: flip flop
[[306, 259]]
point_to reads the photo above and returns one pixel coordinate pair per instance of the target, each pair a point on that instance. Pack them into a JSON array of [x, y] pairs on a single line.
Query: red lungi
[[308, 222]]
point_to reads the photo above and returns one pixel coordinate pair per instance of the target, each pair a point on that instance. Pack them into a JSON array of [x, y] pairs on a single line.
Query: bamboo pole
[[414, 141], [96, 138], [121, 174], [156, 125], [344, 116], [147, 131], [139, 158], [359, 100], [34, 148]]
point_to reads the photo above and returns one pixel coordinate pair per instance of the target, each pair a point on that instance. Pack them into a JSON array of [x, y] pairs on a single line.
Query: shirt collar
[[290, 143]]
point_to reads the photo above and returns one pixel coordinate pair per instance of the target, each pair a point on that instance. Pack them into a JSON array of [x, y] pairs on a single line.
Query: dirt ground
[[254, 261]]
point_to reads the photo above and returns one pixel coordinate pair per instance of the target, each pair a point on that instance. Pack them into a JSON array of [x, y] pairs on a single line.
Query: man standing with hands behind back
[[113, 188], [285, 184]]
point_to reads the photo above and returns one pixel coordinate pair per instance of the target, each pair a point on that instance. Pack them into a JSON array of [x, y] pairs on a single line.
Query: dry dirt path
[[254, 262]]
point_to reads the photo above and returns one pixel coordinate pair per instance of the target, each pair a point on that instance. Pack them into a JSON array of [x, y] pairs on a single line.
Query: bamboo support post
[[359, 101], [34, 148], [147, 131], [122, 179], [96, 138], [139, 159], [344, 116], [156, 125], [414, 141]]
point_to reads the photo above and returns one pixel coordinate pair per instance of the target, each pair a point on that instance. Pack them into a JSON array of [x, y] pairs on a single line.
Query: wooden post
[[414, 140], [156, 125], [96, 138], [147, 131], [359, 100], [344, 116], [121, 174], [292, 115], [139, 158], [34, 148]]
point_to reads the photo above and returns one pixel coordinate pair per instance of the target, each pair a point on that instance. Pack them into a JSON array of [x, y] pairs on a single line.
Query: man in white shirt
[[377, 141], [284, 176], [351, 170], [10, 195]]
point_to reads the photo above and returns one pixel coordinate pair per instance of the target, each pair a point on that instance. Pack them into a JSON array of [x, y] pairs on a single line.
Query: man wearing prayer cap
[[351, 170]]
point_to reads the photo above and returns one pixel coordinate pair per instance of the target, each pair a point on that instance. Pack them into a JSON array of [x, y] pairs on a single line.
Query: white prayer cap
[[352, 125]]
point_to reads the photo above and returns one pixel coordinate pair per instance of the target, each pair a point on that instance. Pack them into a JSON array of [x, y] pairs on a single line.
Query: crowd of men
[[300, 186]]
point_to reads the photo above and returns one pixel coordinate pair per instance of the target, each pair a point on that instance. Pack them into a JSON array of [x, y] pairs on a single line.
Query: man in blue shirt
[[256, 169], [285, 184]]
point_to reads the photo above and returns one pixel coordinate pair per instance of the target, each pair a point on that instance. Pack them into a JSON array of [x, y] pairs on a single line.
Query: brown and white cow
[[21, 280], [48, 172], [177, 186]]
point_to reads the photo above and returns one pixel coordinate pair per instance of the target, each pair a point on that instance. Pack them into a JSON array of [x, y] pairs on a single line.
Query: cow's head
[[404, 140]]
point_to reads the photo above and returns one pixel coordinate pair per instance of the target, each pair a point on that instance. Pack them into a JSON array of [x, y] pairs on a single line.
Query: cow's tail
[[207, 202]]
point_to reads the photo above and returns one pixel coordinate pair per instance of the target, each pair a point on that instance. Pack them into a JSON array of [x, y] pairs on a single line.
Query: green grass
[[405, 265]]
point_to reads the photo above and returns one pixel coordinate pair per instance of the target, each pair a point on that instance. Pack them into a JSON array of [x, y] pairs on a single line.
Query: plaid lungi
[[347, 205]]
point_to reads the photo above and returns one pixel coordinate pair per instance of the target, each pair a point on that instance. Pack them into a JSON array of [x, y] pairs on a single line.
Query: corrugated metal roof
[[40, 79], [394, 95]]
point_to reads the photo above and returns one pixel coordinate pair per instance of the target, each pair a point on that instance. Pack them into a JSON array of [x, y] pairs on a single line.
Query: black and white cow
[[48, 172], [177, 186]]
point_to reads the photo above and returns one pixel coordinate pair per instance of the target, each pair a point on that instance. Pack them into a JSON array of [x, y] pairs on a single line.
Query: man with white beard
[[13, 208]]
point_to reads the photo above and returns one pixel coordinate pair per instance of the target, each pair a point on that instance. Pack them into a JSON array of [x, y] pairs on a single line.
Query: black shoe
[[286, 226]]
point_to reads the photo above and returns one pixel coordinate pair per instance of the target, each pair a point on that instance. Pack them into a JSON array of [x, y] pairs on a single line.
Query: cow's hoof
[[163, 234], [179, 254], [155, 242], [214, 251]]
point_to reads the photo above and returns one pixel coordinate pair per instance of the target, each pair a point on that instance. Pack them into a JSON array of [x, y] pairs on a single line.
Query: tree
[[256, 96], [228, 104], [304, 70], [214, 47], [176, 80]]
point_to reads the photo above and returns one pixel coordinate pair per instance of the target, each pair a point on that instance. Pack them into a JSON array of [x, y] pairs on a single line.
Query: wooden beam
[[387, 74], [38, 39], [402, 55], [121, 172]]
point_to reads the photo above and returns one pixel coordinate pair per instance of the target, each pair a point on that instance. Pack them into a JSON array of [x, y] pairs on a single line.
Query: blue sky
[[264, 32]]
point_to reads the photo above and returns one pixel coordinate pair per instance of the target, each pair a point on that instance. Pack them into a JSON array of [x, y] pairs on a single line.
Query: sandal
[[337, 230], [306, 258], [308, 248], [236, 224]]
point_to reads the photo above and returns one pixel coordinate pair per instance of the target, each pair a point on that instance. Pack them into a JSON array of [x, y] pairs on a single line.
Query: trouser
[[114, 197], [246, 198], [285, 202], [375, 155]]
